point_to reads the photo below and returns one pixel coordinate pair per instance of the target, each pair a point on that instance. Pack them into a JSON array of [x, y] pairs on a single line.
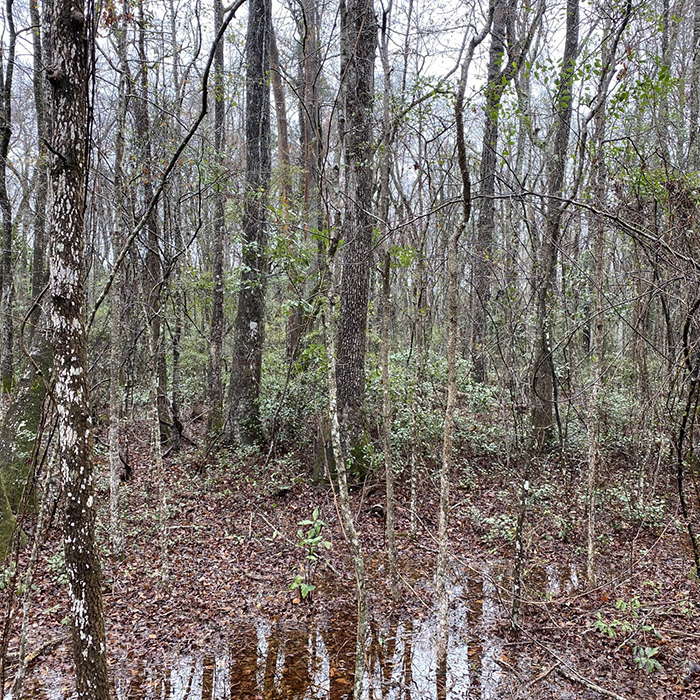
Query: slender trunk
[[282, 126], [543, 366], [385, 165], [116, 319], [157, 473], [487, 177], [153, 272], [447, 457], [68, 76], [386, 432], [7, 291], [450, 408], [419, 341], [39, 271], [216, 391], [346, 511], [595, 409]]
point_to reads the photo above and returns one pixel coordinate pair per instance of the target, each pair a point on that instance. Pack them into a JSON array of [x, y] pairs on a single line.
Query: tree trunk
[[543, 366], [360, 31], [39, 272], [346, 511], [153, 272], [116, 307], [7, 291], [68, 76], [450, 408], [244, 410], [487, 178], [216, 390]]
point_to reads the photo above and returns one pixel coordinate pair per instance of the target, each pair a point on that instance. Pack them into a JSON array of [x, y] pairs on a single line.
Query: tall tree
[[360, 40], [214, 417], [543, 364], [7, 287], [506, 56], [68, 76], [244, 395], [38, 79]]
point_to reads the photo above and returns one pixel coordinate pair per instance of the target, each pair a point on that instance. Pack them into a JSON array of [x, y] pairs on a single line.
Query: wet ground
[[313, 659], [227, 626]]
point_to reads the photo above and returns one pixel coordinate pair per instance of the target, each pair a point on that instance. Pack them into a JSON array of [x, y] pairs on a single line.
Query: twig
[[568, 672], [543, 675]]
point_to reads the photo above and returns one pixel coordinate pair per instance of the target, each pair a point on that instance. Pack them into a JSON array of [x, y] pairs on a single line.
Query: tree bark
[[39, 271], [543, 365], [68, 76], [7, 291], [153, 269], [244, 410], [345, 509], [360, 32], [216, 391], [487, 178]]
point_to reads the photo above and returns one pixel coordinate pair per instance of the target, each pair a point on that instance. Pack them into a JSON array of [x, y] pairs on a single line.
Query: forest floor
[[223, 623]]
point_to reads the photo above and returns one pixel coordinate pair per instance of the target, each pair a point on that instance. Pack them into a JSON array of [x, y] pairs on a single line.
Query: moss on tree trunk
[[17, 436]]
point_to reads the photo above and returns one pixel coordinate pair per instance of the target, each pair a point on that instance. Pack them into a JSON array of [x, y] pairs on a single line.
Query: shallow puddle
[[314, 659]]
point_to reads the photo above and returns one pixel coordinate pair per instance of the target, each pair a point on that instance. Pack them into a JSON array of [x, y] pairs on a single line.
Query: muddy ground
[[218, 619]]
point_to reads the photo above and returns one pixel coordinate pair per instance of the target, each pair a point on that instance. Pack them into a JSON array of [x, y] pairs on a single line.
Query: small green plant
[[56, 564], [305, 589], [632, 624], [310, 538], [6, 576], [645, 658]]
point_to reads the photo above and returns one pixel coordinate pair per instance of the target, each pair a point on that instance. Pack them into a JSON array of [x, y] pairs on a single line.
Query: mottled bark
[[68, 76], [244, 411], [542, 403], [360, 31]]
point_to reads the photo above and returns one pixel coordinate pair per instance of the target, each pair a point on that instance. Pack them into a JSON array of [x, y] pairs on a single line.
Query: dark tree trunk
[[215, 398], [42, 183], [487, 188], [244, 412], [543, 367], [68, 76], [360, 30], [153, 272], [7, 300]]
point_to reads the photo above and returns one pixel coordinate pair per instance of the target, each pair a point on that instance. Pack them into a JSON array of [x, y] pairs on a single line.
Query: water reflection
[[314, 659]]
